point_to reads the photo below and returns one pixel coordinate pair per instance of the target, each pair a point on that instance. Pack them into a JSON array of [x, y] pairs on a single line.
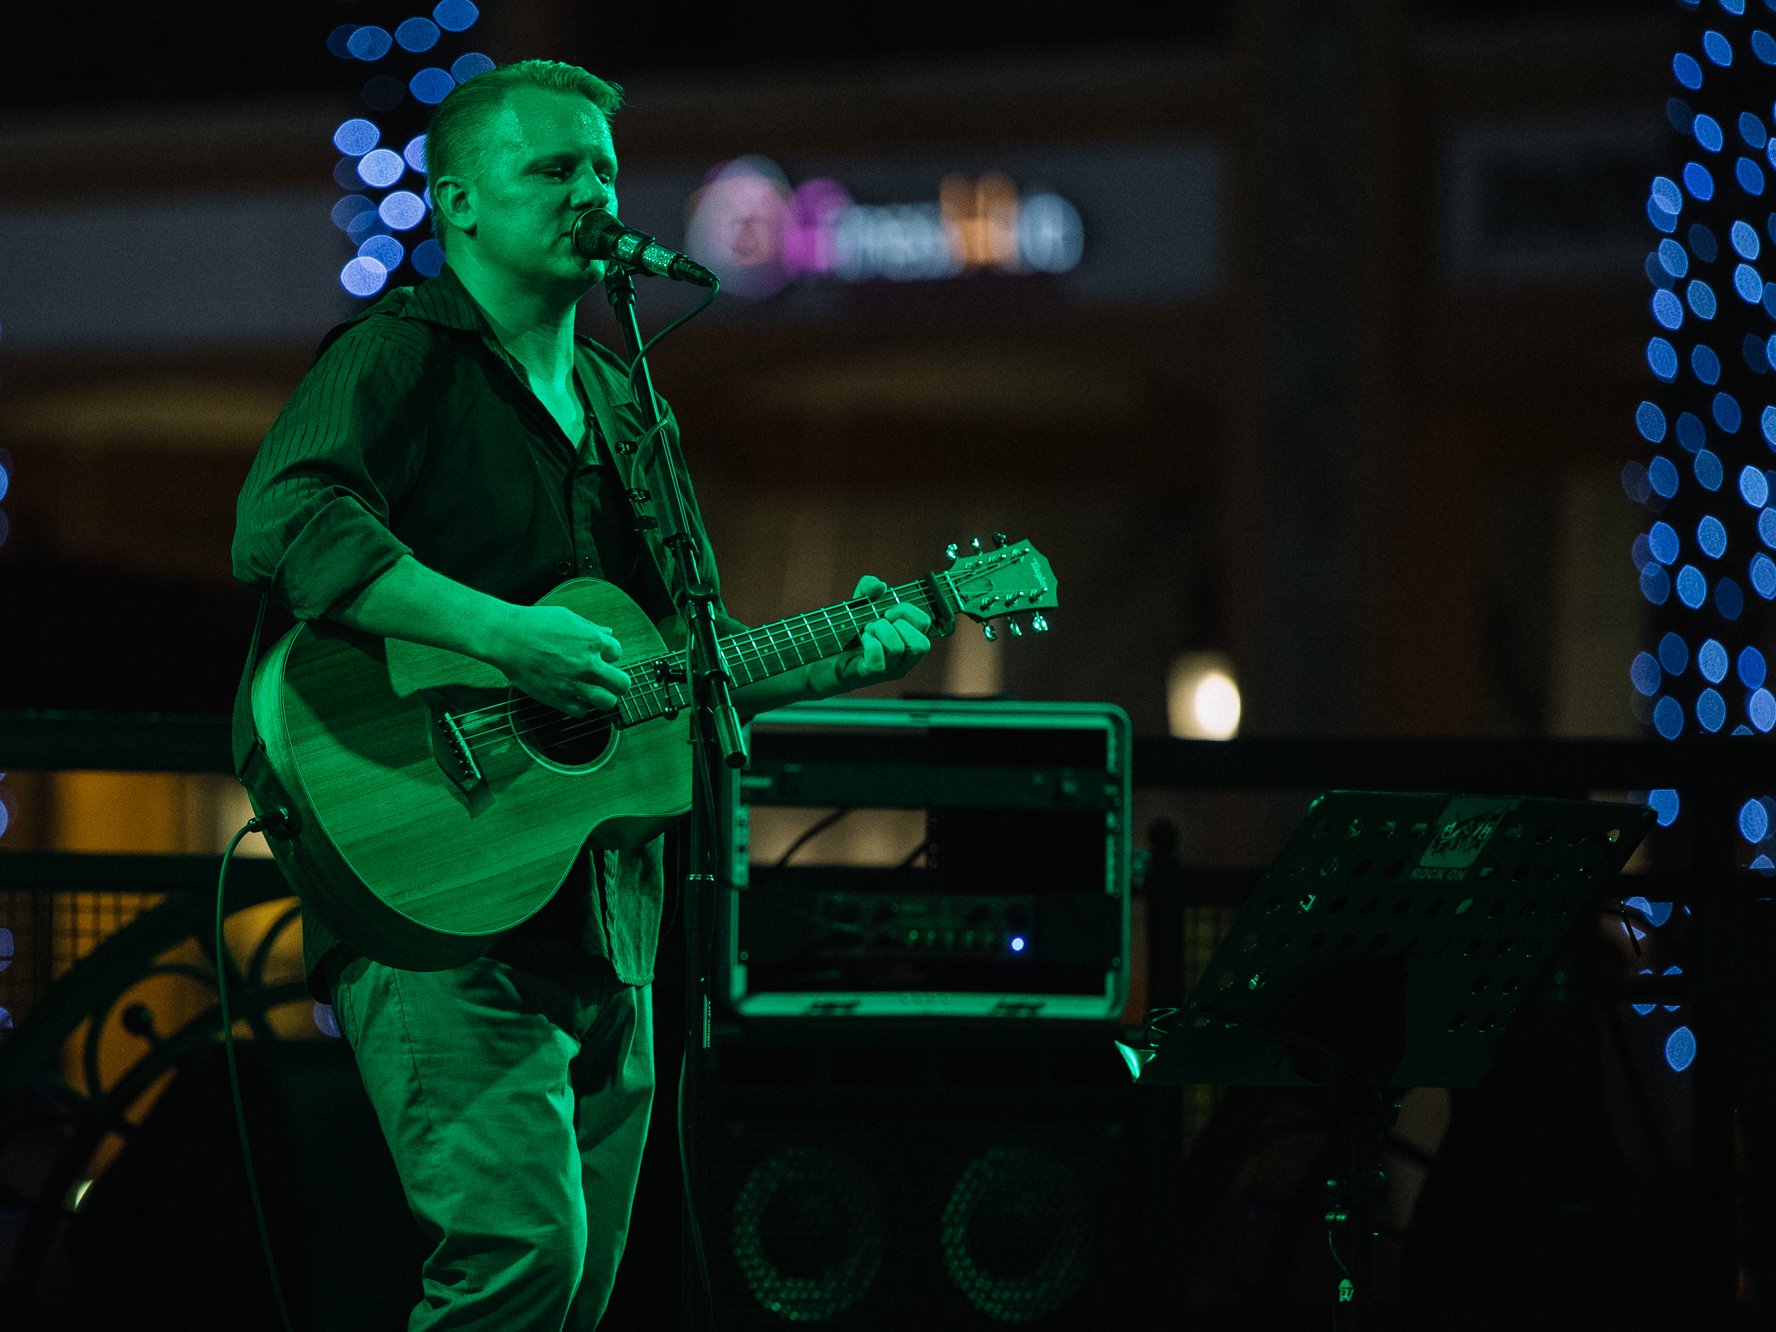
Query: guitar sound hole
[[570, 742]]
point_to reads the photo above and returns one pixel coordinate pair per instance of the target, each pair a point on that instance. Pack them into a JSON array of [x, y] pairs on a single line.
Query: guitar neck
[[661, 686]]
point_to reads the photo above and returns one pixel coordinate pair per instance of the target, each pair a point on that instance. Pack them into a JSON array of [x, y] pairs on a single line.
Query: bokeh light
[[1711, 660], [1692, 587], [455, 15], [1754, 487], [431, 85], [467, 66], [1690, 432], [1761, 708], [350, 207], [363, 277], [1751, 668], [1666, 804], [428, 258], [1711, 710], [356, 137], [417, 34], [1708, 470], [1645, 674], [1662, 477], [1763, 575], [1708, 132], [386, 250], [1661, 355], [414, 152], [1711, 536], [1705, 364], [402, 210], [1674, 654], [381, 167], [1680, 1049], [370, 43], [1668, 718]]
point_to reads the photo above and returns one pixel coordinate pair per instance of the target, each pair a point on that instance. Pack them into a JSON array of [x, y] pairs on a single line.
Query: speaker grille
[[848, 1214]]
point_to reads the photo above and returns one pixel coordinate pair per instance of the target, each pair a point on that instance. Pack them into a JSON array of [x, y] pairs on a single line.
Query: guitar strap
[[252, 766]]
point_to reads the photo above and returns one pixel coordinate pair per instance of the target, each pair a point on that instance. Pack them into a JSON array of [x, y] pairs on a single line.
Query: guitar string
[[741, 649], [744, 655], [655, 699]]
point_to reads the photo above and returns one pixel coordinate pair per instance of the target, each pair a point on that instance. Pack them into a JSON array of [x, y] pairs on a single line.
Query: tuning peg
[[1039, 623], [1016, 629], [991, 633], [1000, 541], [976, 544], [950, 550]]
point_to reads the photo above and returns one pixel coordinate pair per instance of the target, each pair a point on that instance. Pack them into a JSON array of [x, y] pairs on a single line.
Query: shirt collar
[[443, 300]]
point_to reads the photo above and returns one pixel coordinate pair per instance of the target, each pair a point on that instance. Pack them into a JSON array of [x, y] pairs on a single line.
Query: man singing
[[454, 452]]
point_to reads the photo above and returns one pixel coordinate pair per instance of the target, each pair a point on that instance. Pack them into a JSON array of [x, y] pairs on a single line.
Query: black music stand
[[1389, 946]]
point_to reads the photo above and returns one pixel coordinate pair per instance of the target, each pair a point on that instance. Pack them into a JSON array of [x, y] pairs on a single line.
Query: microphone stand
[[717, 743]]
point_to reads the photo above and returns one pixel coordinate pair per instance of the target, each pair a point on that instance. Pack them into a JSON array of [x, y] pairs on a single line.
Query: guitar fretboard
[[659, 685]]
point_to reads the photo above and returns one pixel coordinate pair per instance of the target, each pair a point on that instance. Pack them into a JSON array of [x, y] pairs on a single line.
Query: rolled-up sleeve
[[312, 522]]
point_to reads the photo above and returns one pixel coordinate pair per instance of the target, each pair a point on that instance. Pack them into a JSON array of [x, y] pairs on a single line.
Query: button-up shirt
[[416, 433]]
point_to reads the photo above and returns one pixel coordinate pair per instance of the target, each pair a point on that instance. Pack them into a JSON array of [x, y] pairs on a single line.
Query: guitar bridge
[[468, 770]]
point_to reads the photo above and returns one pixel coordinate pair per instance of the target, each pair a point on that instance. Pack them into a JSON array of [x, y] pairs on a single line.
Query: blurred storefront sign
[[1110, 223], [749, 225]]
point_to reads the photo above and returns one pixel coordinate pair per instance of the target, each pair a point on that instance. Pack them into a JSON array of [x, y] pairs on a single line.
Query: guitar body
[[414, 857]]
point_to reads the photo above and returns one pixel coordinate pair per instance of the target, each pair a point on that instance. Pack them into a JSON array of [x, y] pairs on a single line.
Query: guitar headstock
[[1012, 577]]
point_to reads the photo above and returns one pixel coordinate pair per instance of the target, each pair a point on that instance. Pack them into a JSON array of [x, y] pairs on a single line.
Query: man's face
[[548, 158]]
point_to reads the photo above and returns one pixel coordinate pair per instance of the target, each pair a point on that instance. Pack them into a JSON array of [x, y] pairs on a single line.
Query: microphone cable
[[240, 1116]]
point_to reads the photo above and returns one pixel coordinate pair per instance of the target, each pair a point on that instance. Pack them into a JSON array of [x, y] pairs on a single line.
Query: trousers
[[514, 1093]]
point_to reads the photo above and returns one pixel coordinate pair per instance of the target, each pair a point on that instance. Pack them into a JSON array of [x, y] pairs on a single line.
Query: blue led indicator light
[[1017, 943]]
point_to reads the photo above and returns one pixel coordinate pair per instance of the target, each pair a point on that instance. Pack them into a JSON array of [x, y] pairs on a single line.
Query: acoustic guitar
[[436, 807]]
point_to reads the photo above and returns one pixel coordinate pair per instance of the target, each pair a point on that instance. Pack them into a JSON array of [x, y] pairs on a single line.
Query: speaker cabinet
[[900, 1186]]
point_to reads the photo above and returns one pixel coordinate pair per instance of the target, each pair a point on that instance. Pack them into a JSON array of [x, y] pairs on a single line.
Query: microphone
[[598, 235]]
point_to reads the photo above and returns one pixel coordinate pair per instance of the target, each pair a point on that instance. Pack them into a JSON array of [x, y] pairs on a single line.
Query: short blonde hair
[[457, 134]]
